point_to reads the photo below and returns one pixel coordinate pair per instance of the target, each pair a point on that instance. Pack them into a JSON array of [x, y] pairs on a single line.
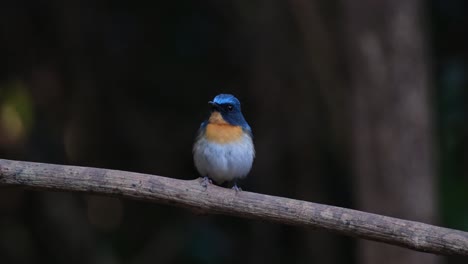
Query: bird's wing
[[248, 130], [202, 128]]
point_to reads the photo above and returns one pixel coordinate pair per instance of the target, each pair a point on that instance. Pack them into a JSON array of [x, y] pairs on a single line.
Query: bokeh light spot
[[16, 115], [12, 125]]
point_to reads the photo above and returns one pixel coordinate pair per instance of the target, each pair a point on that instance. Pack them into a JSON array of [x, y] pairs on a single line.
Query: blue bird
[[224, 150]]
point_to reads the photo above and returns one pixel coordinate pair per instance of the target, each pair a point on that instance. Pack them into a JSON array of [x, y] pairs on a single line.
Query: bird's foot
[[206, 181], [236, 188]]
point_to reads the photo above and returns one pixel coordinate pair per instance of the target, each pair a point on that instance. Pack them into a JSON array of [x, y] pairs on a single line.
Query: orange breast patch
[[223, 133], [217, 118]]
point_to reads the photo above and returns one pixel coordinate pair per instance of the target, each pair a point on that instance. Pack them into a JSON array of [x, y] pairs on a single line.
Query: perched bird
[[223, 150]]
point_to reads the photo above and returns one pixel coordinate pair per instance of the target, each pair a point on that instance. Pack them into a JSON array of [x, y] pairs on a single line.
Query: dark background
[[359, 104]]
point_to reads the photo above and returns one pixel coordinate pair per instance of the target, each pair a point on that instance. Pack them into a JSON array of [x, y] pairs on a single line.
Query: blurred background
[[359, 104]]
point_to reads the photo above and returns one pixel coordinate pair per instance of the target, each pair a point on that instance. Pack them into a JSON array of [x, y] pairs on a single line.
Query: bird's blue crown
[[227, 99]]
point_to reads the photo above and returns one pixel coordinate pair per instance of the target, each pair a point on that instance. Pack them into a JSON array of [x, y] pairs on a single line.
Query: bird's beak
[[214, 106]]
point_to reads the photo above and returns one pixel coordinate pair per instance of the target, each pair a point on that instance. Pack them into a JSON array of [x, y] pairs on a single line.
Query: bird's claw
[[205, 181], [236, 188]]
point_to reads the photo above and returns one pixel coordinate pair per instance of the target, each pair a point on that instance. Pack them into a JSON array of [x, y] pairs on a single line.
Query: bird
[[223, 150]]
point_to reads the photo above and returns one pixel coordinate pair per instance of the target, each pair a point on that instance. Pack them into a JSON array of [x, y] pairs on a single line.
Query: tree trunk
[[393, 148]]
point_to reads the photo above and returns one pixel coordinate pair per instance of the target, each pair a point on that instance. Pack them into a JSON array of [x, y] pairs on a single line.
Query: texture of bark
[[217, 200]]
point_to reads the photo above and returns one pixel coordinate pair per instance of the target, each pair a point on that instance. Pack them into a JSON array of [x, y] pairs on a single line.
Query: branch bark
[[217, 200]]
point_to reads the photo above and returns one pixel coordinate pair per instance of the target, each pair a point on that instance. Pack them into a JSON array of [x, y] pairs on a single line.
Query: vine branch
[[218, 200]]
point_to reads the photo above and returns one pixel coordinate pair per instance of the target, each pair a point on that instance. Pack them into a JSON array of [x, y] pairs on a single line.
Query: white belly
[[224, 162]]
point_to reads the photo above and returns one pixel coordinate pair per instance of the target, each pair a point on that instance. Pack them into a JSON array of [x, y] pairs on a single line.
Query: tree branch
[[217, 200]]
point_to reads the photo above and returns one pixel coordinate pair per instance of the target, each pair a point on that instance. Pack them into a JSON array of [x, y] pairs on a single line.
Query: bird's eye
[[230, 107]]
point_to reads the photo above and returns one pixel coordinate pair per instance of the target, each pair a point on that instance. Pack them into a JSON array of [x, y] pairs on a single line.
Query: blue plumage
[[233, 117]]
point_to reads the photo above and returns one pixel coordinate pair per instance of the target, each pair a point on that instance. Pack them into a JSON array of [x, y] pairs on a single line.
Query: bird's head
[[226, 109]]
